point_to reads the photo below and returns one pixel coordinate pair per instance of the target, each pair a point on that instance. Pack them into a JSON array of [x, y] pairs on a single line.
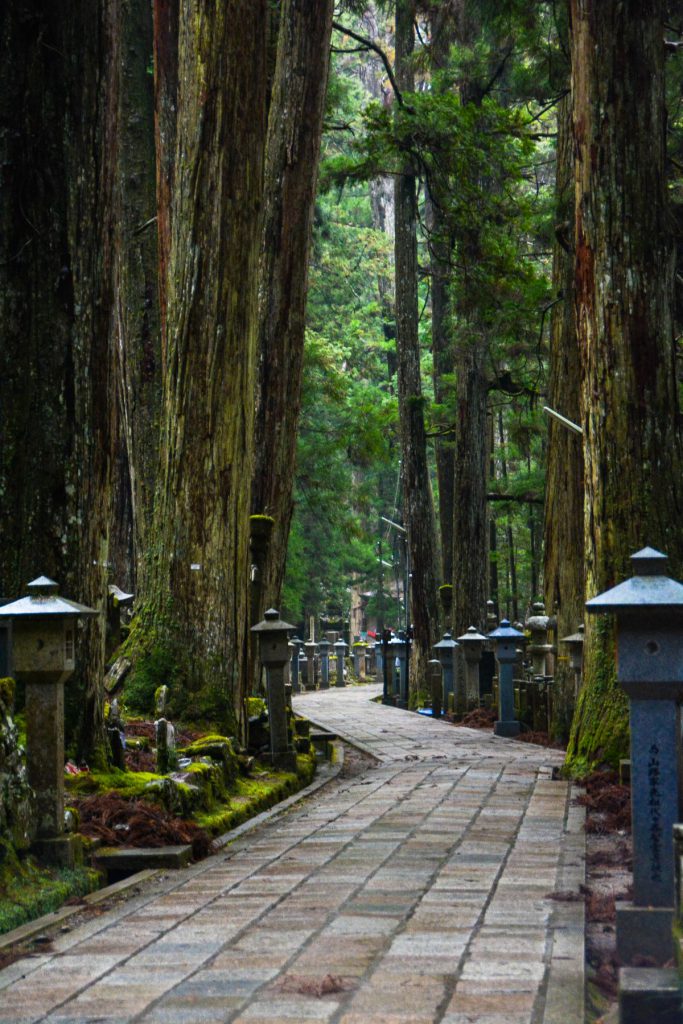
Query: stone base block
[[625, 771], [506, 728], [644, 932], [284, 761], [648, 994], [60, 851]]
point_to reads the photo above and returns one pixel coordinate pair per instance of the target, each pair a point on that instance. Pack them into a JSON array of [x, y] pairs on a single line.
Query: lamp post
[[472, 644], [649, 611], [273, 636], [506, 638], [43, 652]]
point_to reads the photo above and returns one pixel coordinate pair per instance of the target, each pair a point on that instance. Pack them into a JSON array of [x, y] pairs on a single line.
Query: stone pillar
[[506, 639], [436, 686], [649, 610], [359, 649], [295, 668], [340, 649], [539, 648], [446, 653], [324, 646], [398, 651], [312, 675]]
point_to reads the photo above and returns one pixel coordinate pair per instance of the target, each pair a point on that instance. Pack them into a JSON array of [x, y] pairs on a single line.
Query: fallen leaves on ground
[[328, 985], [136, 823]]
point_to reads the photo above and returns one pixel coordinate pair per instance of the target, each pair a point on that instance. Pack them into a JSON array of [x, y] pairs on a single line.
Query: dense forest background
[[274, 276]]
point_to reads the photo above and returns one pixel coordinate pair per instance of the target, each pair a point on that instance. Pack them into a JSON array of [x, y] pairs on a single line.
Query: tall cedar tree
[[195, 599], [624, 290], [418, 508], [295, 123], [563, 563], [58, 136]]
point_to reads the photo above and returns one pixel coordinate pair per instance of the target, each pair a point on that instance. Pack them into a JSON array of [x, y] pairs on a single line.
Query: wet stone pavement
[[417, 891]]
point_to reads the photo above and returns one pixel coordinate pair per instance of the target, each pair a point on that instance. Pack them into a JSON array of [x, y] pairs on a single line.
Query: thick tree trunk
[[59, 124], [293, 149], [196, 603], [136, 321], [563, 561], [418, 510], [624, 292]]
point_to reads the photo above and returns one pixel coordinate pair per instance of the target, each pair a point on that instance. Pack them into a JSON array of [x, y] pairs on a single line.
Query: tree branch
[[368, 44]]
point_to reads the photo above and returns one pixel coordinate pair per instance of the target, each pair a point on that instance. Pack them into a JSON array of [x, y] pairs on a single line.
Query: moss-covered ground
[[28, 890]]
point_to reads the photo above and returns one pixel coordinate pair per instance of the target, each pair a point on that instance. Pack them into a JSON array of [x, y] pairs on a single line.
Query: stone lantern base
[[59, 851], [285, 761], [506, 728]]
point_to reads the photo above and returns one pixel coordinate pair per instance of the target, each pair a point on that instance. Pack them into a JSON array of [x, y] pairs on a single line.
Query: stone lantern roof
[[649, 587], [43, 599]]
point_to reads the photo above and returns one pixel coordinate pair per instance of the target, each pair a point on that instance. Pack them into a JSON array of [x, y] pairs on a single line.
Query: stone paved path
[[414, 893]]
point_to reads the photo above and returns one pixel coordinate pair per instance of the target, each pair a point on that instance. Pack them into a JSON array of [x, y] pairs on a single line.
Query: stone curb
[[325, 775]]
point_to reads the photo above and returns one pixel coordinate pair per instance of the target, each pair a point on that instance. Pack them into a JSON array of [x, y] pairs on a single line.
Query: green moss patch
[[28, 891]]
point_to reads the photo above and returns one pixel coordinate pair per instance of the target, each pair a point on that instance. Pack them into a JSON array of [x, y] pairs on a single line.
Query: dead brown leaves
[[136, 823]]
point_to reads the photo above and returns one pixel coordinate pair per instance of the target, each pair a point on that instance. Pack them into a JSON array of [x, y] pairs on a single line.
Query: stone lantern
[[340, 649], [649, 611], [324, 646], [539, 648], [359, 648], [506, 638], [472, 645], [43, 652], [574, 644], [273, 636], [445, 652]]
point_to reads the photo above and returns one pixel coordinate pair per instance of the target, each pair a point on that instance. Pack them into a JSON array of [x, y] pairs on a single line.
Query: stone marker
[[506, 638], [273, 640], [324, 646], [340, 649], [311, 675], [43, 653], [398, 648], [295, 670], [649, 610], [435, 685], [445, 653], [539, 648]]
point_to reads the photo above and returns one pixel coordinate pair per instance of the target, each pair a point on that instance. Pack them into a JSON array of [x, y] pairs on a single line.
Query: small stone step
[[128, 859]]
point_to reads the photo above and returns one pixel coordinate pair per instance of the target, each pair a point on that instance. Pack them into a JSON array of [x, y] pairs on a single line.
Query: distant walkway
[[414, 893]]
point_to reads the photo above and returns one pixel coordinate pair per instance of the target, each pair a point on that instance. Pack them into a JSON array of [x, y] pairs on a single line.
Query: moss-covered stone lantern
[[44, 656], [273, 636]]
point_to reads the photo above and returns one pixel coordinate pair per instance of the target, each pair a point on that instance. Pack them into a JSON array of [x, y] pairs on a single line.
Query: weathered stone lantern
[[574, 644], [359, 648], [539, 648], [649, 611], [445, 652], [273, 636], [43, 653], [324, 646], [506, 638], [472, 646], [340, 649]]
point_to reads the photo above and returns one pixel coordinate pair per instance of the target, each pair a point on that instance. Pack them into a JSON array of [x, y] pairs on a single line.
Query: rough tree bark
[[624, 293], [292, 156], [418, 509], [563, 563], [58, 121], [136, 321], [195, 605]]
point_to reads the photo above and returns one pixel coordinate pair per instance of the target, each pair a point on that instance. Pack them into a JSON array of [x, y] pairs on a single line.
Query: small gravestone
[[161, 730]]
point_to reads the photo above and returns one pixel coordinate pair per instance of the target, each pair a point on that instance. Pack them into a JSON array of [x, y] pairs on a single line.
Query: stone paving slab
[[416, 892]]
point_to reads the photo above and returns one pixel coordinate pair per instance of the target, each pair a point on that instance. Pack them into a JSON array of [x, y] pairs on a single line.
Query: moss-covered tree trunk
[[563, 563], [418, 508], [58, 138], [136, 327], [293, 148], [196, 599], [624, 292]]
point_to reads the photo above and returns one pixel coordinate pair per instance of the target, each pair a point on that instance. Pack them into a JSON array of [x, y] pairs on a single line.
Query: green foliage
[[28, 891]]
